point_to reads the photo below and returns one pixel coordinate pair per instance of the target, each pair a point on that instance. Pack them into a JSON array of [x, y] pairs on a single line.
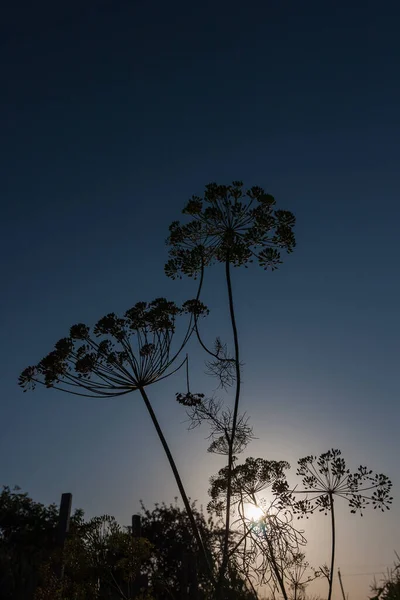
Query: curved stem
[[274, 564], [179, 483], [333, 545], [196, 327], [225, 554], [253, 589]]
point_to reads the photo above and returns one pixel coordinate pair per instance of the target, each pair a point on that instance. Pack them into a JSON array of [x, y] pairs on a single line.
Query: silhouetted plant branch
[[119, 356], [298, 576], [133, 352], [327, 477], [268, 544], [223, 365], [231, 226], [219, 419], [274, 543], [272, 534]]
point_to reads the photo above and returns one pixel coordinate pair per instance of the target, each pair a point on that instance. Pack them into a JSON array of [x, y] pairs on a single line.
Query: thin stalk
[[178, 482], [252, 588], [341, 584], [333, 545], [196, 327], [274, 563], [225, 554]]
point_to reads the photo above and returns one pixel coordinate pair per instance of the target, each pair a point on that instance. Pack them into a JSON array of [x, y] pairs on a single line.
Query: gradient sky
[[112, 114]]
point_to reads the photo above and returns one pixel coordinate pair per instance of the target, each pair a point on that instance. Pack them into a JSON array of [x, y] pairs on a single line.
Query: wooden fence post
[[136, 526], [341, 584], [63, 528]]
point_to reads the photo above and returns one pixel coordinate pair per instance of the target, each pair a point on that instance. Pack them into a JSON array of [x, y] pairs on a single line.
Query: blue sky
[[112, 115]]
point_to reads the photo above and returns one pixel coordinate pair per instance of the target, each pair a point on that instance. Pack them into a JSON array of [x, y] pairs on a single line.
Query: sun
[[253, 512]]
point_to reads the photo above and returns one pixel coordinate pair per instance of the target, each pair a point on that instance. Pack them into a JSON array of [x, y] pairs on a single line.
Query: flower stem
[[179, 483], [333, 545], [225, 553], [274, 564]]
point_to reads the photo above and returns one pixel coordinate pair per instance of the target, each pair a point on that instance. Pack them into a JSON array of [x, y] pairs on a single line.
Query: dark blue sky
[[111, 115]]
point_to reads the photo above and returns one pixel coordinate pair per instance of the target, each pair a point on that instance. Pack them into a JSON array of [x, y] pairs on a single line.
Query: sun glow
[[253, 512]]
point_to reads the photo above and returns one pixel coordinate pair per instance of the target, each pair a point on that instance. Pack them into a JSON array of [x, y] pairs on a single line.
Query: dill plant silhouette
[[233, 226], [326, 478], [298, 577], [121, 355], [268, 544]]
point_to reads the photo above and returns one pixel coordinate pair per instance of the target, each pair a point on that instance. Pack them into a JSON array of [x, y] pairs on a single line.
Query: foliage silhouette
[[27, 540], [101, 561], [174, 568], [389, 587], [104, 560]]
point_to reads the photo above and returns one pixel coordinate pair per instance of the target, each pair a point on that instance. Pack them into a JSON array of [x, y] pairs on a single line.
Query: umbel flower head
[[248, 479], [119, 355], [229, 224], [328, 476]]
